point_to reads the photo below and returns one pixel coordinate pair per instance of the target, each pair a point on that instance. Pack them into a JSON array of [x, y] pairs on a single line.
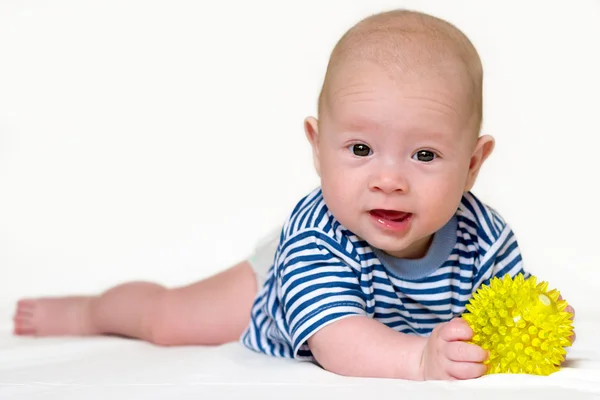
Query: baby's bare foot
[[54, 317]]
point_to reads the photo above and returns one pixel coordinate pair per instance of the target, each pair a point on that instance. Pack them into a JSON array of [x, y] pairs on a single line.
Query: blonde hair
[[415, 45]]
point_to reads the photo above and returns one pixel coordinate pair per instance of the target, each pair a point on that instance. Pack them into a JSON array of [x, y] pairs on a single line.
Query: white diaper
[[263, 255]]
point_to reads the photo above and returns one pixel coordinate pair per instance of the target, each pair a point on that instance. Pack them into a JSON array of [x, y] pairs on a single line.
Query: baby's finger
[[572, 338], [457, 329], [571, 310], [465, 352], [466, 370]]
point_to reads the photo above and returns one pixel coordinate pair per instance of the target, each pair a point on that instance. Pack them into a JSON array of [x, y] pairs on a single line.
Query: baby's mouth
[[391, 220], [390, 215]]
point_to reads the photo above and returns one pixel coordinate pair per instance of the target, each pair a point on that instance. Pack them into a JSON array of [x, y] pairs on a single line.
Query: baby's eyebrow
[[362, 123], [356, 123], [437, 136]]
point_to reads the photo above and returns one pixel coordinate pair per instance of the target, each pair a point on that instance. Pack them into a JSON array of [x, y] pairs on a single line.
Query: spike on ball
[[523, 325]]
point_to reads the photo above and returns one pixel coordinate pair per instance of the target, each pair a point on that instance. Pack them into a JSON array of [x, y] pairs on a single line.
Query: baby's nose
[[389, 180]]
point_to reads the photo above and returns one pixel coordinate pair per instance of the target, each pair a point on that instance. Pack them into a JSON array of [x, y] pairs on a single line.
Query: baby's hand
[[447, 356], [571, 310]]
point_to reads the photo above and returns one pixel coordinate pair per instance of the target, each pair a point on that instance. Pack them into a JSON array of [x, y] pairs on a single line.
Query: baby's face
[[394, 157]]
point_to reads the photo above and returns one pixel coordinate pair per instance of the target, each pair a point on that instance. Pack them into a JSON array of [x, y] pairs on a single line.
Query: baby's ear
[[483, 148], [311, 128]]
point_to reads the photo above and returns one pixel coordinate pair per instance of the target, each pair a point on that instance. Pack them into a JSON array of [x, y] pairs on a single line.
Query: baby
[[371, 272]]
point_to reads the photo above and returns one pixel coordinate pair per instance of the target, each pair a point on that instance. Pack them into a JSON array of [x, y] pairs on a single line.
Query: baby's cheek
[[337, 194], [441, 205]]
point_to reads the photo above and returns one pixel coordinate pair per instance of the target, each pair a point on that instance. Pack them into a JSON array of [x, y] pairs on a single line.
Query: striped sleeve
[[502, 257], [318, 284]]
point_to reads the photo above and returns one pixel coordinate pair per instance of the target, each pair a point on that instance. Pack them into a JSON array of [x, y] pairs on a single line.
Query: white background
[[159, 140]]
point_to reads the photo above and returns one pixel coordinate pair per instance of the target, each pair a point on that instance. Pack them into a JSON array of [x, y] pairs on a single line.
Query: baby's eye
[[361, 150], [424, 156]]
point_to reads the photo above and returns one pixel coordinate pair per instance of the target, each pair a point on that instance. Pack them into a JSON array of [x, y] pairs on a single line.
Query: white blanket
[[116, 368]]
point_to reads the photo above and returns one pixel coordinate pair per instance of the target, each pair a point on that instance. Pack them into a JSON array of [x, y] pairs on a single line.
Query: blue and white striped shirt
[[322, 272]]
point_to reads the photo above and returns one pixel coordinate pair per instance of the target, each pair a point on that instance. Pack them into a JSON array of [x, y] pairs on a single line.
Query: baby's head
[[397, 141]]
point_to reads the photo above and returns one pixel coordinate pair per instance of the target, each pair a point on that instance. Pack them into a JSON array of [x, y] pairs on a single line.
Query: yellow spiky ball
[[524, 326]]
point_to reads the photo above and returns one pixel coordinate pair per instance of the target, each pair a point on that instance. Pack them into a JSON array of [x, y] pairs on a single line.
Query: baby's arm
[[325, 311], [361, 346]]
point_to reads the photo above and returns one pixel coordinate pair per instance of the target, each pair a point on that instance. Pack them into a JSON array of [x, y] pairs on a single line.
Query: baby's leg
[[213, 311]]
